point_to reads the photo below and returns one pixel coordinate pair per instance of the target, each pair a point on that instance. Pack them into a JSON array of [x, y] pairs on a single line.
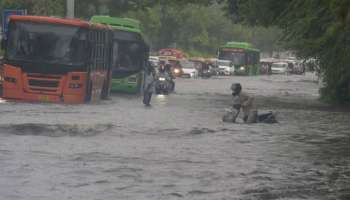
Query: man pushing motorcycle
[[246, 103]]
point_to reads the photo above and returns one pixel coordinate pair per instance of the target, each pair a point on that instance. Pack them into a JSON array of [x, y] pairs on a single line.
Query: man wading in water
[[149, 84]]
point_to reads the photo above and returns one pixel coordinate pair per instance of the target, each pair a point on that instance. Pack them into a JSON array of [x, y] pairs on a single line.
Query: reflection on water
[[161, 99], [2, 100], [177, 149]]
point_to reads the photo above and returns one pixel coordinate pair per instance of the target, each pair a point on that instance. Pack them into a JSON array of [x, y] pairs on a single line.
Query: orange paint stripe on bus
[[43, 19]]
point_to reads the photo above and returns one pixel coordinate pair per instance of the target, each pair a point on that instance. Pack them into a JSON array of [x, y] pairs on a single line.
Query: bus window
[[48, 43], [115, 53], [238, 58], [225, 55], [257, 58], [249, 58], [124, 60]]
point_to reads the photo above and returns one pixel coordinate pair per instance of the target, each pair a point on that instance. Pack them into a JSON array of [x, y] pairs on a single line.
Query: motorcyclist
[[171, 76], [161, 67], [205, 70], [165, 70], [245, 102]]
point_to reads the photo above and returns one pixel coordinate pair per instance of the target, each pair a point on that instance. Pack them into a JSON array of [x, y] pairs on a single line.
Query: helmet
[[236, 88]]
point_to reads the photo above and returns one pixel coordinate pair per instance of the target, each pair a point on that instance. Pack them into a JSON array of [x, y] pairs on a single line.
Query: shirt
[[247, 103]]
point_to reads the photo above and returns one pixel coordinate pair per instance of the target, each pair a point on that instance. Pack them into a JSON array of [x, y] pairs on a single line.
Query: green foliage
[[36, 7], [199, 28], [88, 8], [194, 53], [48, 8], [315, 29]]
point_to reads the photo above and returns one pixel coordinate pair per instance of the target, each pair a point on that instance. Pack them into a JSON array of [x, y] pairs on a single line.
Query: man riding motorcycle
[[165, 78]]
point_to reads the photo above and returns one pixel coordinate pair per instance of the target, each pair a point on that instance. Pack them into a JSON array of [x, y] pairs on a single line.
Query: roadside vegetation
[[314, 29], [197, 27]]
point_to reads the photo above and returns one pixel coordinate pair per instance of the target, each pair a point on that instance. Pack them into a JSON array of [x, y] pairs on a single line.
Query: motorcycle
[[163, 85]]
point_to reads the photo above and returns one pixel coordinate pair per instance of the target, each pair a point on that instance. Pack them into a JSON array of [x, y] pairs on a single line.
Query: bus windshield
[[129, 53], [47, 43], [237, 58], [129, 58]]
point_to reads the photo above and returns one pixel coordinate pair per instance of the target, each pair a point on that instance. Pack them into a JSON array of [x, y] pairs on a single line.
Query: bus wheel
[[105, 92]]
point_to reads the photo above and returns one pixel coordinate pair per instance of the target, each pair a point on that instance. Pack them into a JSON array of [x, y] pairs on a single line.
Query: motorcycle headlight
[[242, 68], [161, 79], [176, 71]]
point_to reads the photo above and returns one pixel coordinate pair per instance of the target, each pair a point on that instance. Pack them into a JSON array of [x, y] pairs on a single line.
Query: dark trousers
[[147, 98]]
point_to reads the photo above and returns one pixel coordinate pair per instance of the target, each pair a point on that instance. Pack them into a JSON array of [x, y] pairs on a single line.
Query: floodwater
[[179, 148]]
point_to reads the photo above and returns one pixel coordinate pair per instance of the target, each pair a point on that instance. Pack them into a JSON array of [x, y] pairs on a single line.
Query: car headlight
[[161, 79]]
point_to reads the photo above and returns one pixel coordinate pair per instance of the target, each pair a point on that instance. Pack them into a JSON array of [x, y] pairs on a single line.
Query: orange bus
[[57, 60]]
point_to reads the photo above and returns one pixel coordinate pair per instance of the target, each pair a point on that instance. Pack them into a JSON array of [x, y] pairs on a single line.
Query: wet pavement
[[179, 148]]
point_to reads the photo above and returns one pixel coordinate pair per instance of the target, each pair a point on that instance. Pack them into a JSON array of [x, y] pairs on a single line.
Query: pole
[[70, 9]]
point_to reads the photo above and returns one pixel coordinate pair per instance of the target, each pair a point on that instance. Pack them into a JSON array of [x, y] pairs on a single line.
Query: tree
[[198, 29], [48, 8], [36, 7], [315, 29], [87, 8]]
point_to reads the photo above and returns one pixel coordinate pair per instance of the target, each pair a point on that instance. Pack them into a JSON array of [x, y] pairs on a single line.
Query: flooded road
[[178, 148]]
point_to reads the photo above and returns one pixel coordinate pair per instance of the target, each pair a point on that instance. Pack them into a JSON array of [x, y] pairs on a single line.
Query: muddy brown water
[[178, 148]]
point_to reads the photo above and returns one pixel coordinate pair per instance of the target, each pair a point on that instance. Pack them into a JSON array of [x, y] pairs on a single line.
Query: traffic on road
[[90, 109]]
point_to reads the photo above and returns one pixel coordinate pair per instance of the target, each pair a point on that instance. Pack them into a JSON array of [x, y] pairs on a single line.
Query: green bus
[[243, 56], [131, 53]]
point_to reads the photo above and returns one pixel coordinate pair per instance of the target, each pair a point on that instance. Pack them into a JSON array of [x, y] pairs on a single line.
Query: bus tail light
[[74, 85], [10, 79]]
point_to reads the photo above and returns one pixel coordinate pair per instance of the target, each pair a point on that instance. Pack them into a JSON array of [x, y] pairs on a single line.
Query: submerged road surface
[[178, 148]]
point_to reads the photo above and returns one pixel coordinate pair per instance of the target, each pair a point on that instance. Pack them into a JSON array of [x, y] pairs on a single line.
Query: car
[[225, 67], [279, 68], [189, 69]]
